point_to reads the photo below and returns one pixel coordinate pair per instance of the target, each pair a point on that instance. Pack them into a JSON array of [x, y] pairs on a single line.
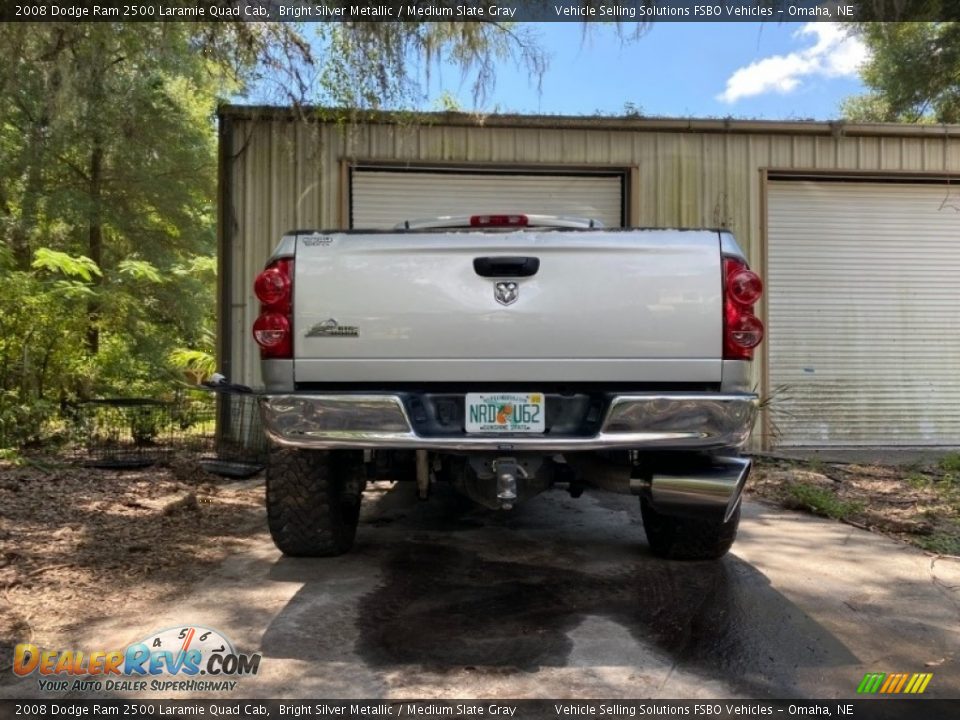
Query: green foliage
[[911, 74], [447, 102], [107, 211], [941, 542], [197, 364], [384, 65], [39, 365], [815, 465], [950, 463], [822, 502], [774, 404], [22, 423], [139, 270], [60, 262], [917, 480]]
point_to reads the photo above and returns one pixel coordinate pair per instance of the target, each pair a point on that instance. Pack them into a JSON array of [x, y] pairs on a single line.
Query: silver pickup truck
[[507, 355]]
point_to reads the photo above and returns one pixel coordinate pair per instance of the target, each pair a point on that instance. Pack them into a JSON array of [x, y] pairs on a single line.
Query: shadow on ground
[[496, 593]]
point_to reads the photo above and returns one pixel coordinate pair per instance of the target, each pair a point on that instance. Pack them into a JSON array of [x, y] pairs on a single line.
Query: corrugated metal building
[[855, 229]]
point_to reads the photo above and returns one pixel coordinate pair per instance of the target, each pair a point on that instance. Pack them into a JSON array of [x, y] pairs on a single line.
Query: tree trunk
[[25, 223], [95, 242]]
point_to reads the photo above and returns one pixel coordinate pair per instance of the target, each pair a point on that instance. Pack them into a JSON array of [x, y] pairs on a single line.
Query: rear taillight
[[272, 286], [273, 328], [498, 221], [742, 330]]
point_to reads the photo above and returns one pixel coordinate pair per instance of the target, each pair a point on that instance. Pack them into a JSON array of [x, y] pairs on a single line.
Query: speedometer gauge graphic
[[189, 637]]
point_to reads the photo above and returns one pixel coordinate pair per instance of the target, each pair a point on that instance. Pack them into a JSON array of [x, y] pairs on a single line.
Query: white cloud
[[833, 54]]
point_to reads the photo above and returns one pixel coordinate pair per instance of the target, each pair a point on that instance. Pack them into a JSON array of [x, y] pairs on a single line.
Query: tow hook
[[507, 471]]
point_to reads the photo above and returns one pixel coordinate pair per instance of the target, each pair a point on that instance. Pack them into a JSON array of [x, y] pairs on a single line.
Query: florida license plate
[[505, 413]]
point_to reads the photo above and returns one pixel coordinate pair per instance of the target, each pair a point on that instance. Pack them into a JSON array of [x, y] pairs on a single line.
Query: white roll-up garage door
[[863, 284], [383, 198]]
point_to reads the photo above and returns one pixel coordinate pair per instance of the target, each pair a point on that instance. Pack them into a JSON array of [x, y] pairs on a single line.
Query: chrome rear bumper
[[669, 421]]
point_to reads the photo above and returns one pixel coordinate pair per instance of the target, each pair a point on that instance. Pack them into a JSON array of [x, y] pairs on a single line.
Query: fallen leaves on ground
[[919, 504], [74, 540]]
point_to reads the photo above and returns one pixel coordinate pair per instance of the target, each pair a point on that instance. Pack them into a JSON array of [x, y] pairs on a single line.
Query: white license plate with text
[[505, 413]]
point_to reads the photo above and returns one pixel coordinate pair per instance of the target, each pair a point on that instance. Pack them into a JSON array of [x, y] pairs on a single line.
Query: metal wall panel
[[864, 313], [381, 199]]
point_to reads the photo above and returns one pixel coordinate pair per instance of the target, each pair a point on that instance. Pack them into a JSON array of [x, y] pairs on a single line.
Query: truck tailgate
[[604, 305]]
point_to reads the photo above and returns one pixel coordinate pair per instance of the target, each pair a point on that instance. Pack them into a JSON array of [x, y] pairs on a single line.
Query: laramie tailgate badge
[[331, 328]]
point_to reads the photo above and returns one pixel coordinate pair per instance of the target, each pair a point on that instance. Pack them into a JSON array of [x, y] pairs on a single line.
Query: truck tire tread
[[308, 512], [688, 538]]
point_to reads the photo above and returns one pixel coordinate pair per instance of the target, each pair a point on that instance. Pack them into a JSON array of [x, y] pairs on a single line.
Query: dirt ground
[[917, 503], [77, 543]]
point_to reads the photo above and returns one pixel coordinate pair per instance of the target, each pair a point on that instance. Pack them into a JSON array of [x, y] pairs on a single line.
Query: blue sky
[[681, 69]]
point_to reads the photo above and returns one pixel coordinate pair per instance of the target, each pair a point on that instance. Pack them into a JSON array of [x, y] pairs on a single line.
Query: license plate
[[505, 413]]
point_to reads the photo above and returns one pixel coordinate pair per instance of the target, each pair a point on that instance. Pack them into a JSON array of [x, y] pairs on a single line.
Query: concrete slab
[[562, 599]]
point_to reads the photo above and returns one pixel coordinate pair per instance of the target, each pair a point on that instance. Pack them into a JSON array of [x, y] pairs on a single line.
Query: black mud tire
[[313, 501], [688, 538]]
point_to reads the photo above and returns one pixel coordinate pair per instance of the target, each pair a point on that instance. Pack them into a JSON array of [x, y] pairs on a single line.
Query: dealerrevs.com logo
[[187, 658]]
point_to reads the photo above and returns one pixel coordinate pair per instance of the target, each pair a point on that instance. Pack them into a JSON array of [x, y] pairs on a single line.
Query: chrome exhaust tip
[[674, 483], [702, 489]]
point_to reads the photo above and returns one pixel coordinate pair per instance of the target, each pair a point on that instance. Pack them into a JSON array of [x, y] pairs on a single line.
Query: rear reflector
[[498, 221]]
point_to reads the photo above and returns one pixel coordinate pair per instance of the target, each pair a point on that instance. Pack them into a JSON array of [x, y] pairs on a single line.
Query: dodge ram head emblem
[[506, 293]]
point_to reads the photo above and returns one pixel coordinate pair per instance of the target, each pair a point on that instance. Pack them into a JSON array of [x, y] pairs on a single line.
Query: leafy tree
[[36, 317], [107, 179], [383, 64], [913, 73]]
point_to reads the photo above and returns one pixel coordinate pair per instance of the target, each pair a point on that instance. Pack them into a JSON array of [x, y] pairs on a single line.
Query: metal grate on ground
[[128, 433], [240, 449]]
